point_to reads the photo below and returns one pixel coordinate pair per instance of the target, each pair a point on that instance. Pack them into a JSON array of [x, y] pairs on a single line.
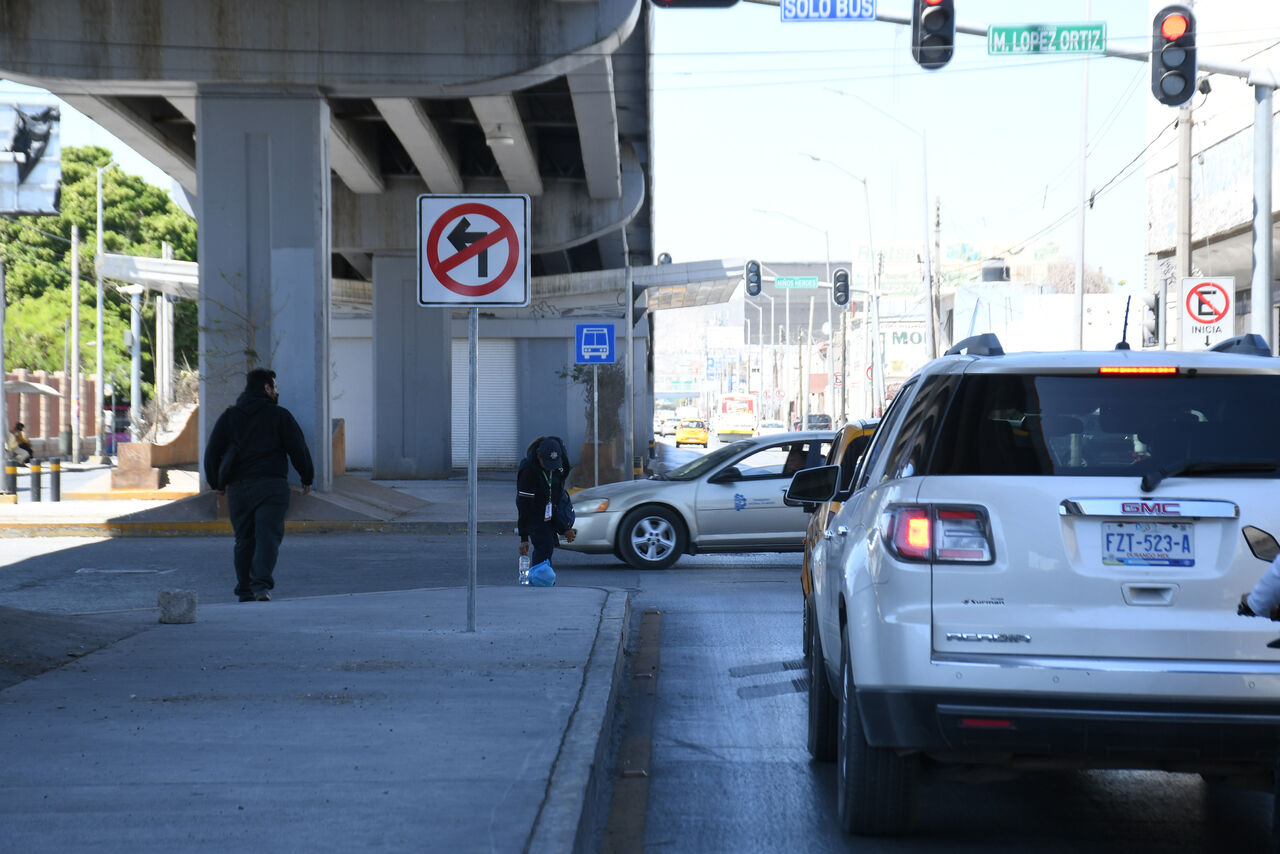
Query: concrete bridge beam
[[423, 142], [264, 254]]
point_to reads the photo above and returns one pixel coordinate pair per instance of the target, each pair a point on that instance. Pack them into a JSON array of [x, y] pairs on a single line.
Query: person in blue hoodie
[[247, 458], [539, 486]]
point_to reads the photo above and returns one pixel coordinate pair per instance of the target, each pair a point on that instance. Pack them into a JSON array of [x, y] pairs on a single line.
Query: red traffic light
[[1173, 55], [1174, 27]]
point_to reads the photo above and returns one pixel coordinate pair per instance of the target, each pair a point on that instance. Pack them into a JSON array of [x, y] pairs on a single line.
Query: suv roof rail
[[1251, 344], [986, 344]]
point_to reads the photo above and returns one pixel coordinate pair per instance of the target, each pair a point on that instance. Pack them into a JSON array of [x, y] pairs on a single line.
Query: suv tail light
[[938, 533]]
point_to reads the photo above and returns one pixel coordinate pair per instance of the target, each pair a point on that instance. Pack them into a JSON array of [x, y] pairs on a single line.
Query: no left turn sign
[[1206, 313], [473, 250]]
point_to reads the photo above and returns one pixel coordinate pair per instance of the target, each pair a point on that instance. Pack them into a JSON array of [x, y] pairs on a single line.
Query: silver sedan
[[729, 500]]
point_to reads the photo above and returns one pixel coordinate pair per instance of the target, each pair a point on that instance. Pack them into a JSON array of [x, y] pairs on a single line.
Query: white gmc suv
[[1039, 561]]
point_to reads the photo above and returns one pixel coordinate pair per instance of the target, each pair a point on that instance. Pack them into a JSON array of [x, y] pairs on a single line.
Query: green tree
[[137, 218]]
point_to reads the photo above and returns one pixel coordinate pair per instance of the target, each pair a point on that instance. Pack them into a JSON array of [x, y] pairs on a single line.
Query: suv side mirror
[[814, 485], [1262, 544]]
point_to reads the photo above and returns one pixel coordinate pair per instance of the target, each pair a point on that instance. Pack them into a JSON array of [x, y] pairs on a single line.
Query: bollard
[[35, 479], [55, 479], [10, 485]]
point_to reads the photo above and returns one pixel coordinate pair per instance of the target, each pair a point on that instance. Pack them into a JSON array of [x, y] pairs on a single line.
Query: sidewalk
[[355, 504], [343, 723]]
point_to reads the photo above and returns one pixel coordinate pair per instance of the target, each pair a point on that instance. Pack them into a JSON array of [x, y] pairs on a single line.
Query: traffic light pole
[[1264, 82]]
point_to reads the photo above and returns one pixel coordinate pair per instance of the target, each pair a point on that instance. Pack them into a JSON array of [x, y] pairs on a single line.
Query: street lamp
[[873, 292], [930, 308], [804, 381], [773, 348], [760, 332], [97, 266]]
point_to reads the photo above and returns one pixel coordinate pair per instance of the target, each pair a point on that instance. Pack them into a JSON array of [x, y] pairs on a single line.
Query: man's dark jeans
[[257, 507]]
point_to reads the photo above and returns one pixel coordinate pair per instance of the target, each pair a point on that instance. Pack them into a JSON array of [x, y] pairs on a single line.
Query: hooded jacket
[[266, 436], [533, 492]]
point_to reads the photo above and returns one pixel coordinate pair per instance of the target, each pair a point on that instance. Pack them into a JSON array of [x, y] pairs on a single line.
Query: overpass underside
[[305, 130]]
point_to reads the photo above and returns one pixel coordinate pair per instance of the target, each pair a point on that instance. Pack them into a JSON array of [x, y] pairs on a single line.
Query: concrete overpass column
[[262, 162], [412, 376]]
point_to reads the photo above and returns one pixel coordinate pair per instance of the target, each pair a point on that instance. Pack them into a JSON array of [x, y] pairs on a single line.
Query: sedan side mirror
[[730, 474], [814, 485]]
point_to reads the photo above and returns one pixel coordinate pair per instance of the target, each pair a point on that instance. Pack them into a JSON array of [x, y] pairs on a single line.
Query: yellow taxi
[[691, 432], [850, 441]]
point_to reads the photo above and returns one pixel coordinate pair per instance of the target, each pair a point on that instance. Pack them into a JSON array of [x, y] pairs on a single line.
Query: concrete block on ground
[[177, 606]]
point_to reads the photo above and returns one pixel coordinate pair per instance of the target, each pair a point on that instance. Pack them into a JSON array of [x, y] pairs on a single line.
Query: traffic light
[[1151, 319], [752, 276], [1173, 55], [693, 4], [933, 32], [840, 286]]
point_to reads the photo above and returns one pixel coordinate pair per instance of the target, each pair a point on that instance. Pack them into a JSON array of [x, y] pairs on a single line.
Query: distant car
[[691, 432], [770, 428], [818, 421], [728, 500], [669, 426]]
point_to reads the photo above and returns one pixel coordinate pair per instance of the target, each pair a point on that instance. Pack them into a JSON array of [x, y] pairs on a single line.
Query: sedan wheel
[[651, 538]]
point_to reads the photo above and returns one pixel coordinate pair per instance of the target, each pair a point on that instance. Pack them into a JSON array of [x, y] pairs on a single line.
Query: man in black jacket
[[248, 458], [539, 485]]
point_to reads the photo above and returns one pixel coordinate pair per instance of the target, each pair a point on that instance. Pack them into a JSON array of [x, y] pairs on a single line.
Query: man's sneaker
[[262, 596]]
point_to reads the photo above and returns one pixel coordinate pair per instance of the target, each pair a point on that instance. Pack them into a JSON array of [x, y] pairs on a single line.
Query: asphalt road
[[728, 769]]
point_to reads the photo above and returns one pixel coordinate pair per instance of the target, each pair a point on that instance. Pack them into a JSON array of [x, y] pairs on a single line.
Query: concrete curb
[[222, 528], [570, 811]]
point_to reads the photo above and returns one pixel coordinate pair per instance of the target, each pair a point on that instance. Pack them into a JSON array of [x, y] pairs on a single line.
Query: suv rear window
[[1107, 425]]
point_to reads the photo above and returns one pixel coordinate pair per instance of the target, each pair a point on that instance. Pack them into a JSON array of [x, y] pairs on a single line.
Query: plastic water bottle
[[524, 569]]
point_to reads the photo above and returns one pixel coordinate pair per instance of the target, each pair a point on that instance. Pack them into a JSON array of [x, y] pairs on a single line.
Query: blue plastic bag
[[542, 575]]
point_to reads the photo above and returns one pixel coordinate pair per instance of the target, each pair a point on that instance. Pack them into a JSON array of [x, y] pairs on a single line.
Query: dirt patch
[[32, 642]]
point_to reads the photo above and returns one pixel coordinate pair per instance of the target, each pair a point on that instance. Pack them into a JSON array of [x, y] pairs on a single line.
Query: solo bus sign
[[473, 251]]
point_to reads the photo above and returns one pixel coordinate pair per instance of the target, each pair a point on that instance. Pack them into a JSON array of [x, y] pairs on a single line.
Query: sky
[[743, 101], [78, 130]]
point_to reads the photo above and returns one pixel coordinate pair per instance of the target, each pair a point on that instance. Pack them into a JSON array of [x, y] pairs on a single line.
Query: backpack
[[563, 515]]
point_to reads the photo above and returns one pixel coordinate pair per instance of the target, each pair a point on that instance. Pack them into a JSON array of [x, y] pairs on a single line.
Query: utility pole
[[935, 293], [4, 398], [75, 344], [1260, 284], [135, 372], [806, 368], [99, 451], [1182, 244], [1084, 146]]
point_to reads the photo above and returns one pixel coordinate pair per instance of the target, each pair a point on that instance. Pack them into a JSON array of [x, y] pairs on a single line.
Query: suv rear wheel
[[875, 787], [824, 711]]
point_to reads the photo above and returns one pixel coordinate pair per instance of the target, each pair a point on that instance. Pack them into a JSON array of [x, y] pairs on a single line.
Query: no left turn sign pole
[[473, 251]]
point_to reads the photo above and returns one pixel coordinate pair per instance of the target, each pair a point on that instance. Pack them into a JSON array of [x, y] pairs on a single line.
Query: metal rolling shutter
[[497, 421]]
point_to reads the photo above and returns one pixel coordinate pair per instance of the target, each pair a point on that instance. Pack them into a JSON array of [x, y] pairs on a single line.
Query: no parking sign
[[473, 250], [1206, 311]]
